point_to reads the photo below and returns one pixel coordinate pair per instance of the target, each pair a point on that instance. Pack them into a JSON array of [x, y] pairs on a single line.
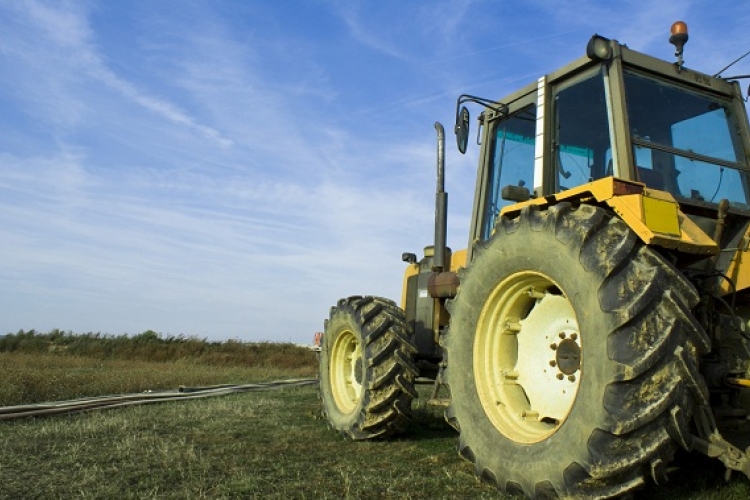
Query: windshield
[[512, 161], [685, 142]]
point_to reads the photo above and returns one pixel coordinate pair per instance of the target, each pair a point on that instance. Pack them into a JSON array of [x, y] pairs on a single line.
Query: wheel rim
[[527, 357], [345, 371]]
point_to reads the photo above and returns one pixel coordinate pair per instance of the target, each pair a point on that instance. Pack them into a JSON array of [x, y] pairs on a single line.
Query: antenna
[[732, 64]]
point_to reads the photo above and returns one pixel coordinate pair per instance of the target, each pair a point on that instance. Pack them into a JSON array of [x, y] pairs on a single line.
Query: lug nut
[[572, 378], [562, 335], [560, 376], [534, 293], [553, 347], [553, 363], [574, 336]]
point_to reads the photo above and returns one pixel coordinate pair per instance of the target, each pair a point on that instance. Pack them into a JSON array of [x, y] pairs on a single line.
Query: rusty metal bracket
[[732, 457], [443, 285], [434, 399], [713, 445]]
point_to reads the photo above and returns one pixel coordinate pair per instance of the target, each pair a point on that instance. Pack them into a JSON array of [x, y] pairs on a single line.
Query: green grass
[[271, 444], [258, 445]]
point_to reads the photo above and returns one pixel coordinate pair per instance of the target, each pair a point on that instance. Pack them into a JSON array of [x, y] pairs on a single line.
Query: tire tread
[[655, 343], [388, 363]]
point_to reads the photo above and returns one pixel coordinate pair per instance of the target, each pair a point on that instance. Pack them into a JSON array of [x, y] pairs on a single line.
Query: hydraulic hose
[[121, 400]]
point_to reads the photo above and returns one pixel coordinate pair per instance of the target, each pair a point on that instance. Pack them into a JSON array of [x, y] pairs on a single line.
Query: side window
[[582, 147], [707, 133], [685, 142], [512, 161]]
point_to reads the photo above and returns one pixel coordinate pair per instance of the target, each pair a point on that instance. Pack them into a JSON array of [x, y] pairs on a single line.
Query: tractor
[[599, 319]]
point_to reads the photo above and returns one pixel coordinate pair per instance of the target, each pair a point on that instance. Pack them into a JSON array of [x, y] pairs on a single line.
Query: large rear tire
[[572, 357], [367, 369]]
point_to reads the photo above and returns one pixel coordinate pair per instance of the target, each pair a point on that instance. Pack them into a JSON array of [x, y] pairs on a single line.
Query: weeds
[[151, 346], [38, 367]]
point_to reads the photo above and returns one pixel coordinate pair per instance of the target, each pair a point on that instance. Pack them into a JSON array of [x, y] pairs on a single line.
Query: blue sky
[[229, 169]]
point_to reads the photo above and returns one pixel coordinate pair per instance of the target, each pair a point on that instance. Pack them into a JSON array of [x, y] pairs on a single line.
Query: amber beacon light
[[678, 38]]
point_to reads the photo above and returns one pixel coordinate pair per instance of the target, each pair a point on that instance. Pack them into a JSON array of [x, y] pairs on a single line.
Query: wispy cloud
[[233, 170], [57, 42], [368, 33]]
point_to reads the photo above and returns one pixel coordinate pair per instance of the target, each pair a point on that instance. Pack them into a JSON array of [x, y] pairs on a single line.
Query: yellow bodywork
[[653, 215], [411, 270], [458, 260], [739, 268]]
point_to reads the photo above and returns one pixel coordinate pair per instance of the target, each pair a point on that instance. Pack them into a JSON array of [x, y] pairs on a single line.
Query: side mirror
[[462, 129]]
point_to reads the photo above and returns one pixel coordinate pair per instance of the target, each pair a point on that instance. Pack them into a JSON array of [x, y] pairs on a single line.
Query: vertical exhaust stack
[[441, 205], [442, 283]]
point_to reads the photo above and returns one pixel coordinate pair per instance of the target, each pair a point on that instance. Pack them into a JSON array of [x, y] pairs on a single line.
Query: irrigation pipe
[[119, 401]]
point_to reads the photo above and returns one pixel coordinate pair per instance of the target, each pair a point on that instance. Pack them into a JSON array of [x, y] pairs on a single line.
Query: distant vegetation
[[151, 346], [37, 367]]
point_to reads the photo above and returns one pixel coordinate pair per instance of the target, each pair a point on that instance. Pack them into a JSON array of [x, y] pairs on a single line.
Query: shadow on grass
[[428, 422], [692, 475]]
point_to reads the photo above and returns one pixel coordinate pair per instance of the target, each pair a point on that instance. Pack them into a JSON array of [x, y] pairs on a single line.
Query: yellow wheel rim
[[345, 371], [527, 357]]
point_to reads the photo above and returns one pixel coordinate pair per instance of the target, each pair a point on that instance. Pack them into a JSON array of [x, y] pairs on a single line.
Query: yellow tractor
[[598, 320]]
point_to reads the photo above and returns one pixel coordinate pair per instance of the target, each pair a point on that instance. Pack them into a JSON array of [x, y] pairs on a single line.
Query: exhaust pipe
[[442, 283], [441, 205]]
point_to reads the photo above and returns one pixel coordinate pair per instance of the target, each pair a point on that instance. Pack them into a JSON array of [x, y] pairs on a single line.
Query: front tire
[[367, 369], [571, 357]]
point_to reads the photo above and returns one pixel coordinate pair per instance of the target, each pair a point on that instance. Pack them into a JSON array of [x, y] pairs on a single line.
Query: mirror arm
[[461, 128], [497, 107]]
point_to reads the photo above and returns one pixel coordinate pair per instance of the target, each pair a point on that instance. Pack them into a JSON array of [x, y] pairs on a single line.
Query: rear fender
[[653, 215]]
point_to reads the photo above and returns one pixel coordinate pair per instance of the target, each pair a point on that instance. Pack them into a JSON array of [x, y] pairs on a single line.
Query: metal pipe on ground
[[119, 401]]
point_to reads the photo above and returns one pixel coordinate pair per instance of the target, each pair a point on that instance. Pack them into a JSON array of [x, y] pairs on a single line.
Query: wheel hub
[[528, 357], [568, 356]]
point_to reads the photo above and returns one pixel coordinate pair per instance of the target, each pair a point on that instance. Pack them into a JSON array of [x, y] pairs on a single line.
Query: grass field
[[34, 378], [271, 444], [37, 367]]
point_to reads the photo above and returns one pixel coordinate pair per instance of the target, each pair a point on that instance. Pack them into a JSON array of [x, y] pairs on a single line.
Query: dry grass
[[35, 378], [46, 367], [151, 346]]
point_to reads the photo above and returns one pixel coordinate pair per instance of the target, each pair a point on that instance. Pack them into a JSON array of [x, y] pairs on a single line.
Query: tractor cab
[[614, 112]]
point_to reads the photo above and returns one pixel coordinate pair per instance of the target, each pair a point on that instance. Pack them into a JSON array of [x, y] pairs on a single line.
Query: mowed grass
[[271, 444], [257, 445]]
